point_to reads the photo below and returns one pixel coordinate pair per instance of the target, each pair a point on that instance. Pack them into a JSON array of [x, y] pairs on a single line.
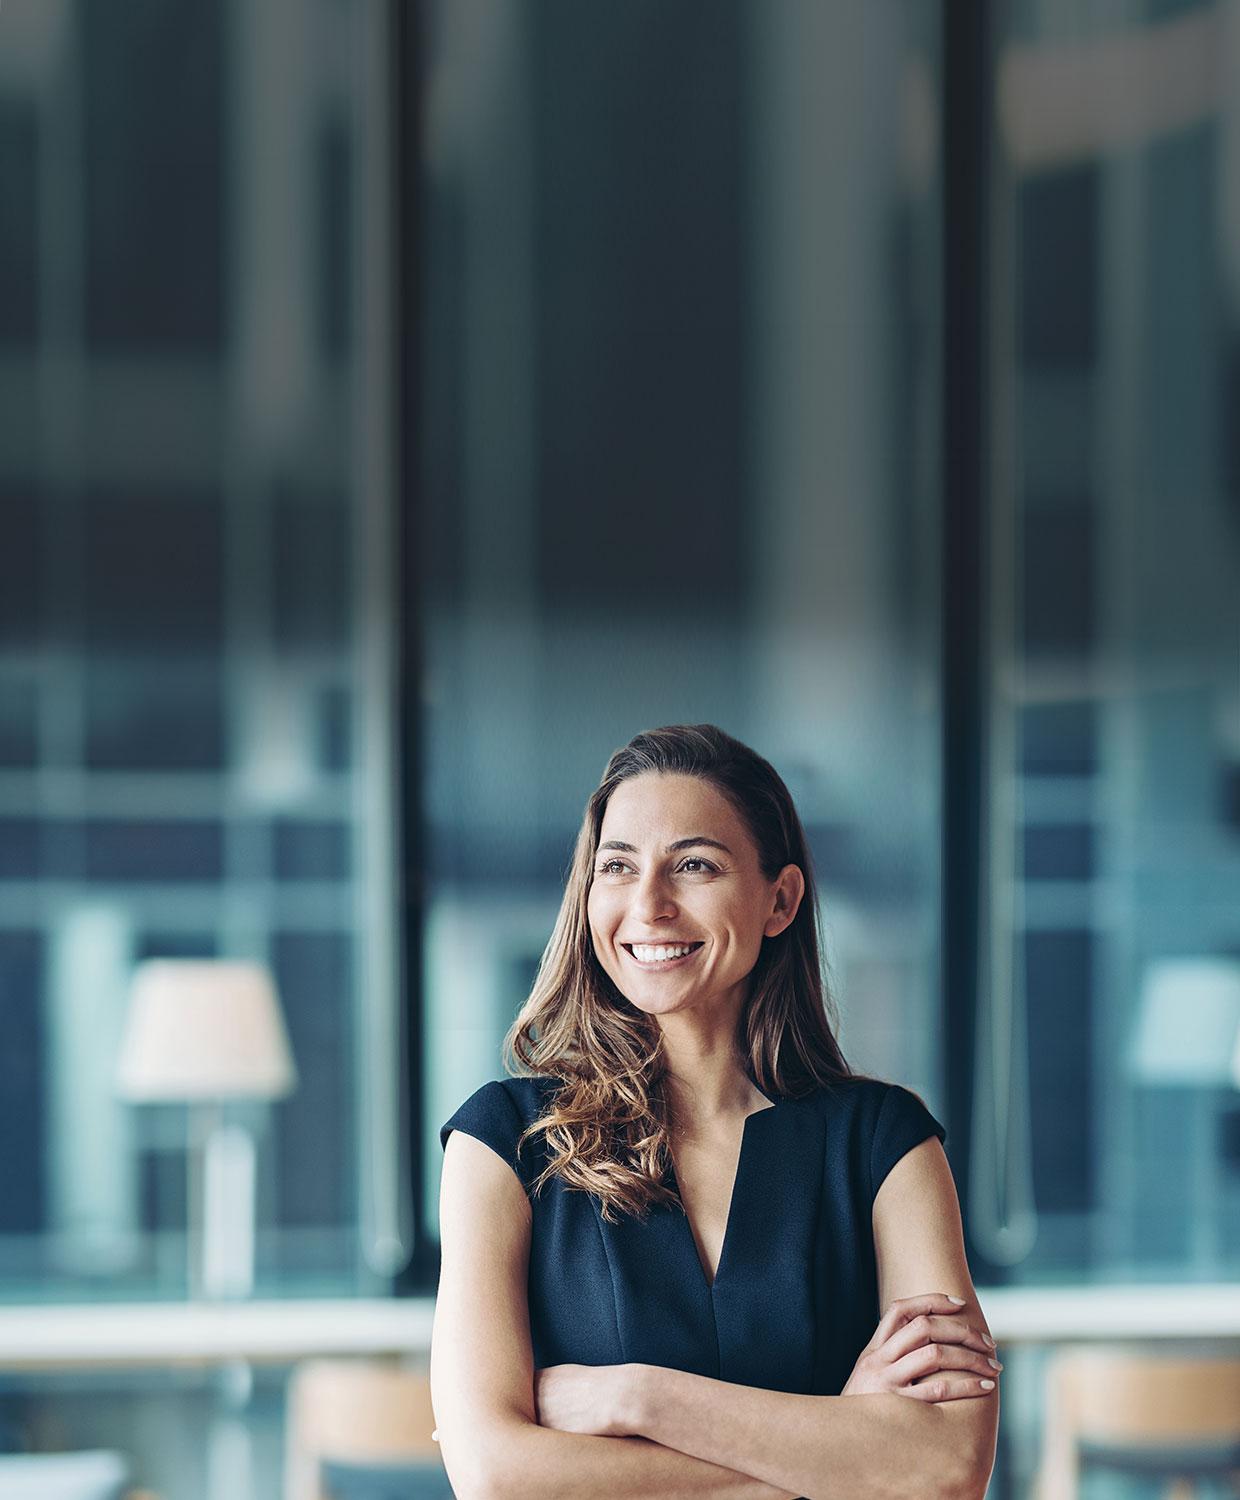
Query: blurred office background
[[404, 404]]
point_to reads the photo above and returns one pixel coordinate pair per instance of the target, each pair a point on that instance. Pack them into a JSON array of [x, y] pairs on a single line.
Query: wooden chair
[[355, 1411], [1157, 1416]]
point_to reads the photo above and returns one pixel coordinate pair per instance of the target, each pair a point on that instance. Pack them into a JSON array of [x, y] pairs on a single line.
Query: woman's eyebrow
[[671, 848]]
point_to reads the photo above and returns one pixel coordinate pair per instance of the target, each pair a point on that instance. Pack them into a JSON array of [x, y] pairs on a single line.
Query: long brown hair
[[608, 1127]]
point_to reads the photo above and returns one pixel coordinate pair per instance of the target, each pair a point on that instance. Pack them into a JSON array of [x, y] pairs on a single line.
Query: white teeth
[[644, 954]]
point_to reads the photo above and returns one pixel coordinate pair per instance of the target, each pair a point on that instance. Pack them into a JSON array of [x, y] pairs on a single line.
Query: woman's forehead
[[662, 803]]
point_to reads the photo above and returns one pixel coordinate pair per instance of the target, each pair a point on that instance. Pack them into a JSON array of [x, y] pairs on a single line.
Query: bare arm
[[823, 1447], [482, 1372], [919, 1245], [857, 1447]]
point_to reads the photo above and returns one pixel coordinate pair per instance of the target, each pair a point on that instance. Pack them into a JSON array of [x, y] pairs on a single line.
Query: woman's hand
[[924, 1349], [590, 1399]]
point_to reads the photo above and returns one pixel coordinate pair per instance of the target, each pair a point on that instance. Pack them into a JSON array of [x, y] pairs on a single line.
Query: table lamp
[[1188, 1036], [203, 1032], [1188, 1023]]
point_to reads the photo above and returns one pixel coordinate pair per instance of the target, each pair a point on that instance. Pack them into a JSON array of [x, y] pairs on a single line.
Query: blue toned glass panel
[[680, 404], [1107, 1097], [1115, 694], [197, 657]]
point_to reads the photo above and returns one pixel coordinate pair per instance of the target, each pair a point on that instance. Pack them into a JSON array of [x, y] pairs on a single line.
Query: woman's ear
[[789, 889]]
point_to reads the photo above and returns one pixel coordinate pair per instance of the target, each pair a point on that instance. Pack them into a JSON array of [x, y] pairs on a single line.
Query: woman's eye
[[618, 866]]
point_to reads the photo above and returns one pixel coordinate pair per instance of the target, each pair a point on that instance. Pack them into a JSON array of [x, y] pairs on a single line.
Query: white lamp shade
[[1188, 1025], [204, 1029]]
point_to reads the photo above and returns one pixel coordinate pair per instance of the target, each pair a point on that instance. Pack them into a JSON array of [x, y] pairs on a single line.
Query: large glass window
[[1105, 1146], [1105, 1128], [195, 618], [1114, 1003], [680, 368]]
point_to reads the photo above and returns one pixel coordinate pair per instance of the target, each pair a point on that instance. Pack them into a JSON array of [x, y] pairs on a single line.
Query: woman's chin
[[658, 1000]]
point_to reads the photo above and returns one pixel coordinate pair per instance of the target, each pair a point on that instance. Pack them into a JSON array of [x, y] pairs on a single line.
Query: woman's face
[[677, 870]]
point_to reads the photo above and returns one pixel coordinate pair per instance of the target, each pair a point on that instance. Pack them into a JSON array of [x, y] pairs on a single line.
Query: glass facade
[[1116, 689], [680, 373], [678, 353], [195, 639], [1106, 1148]]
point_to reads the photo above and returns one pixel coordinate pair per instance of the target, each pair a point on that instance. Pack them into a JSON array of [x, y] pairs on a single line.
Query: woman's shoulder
[[498, 1113], [876, 1122], [869, 1100], [531, 1094], [843, 1094], [510, 1101]]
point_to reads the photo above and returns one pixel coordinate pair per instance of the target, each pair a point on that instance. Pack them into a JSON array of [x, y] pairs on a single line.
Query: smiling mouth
[[659, 956]]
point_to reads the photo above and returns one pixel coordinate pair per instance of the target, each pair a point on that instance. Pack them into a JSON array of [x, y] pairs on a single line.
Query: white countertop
[[1053, 1315], [156, 1333]]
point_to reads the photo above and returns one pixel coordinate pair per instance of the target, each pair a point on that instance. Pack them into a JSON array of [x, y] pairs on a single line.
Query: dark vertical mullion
[[967, 121], [966, 127], [405, 21]]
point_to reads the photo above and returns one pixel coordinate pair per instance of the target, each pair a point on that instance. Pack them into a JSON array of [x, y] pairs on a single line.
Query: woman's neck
[[710, 1098]]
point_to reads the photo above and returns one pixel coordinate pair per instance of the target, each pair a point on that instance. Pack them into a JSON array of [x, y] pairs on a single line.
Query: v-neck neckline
[[729, 1221]]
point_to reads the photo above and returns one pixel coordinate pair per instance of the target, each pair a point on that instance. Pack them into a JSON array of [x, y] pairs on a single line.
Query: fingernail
[[995, 1364], [959, 1301], [988, 1340], [988, 1385]]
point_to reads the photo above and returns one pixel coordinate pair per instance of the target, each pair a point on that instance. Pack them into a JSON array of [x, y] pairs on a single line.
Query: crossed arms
[[677, 1434]]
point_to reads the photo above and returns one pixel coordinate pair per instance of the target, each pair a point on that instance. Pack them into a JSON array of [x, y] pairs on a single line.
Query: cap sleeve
[[903, 1122], [491, 1116]]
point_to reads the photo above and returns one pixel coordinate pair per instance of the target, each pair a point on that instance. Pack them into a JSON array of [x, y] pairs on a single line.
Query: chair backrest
[[1121, 1397], [1117, 1395], [356, 1411]]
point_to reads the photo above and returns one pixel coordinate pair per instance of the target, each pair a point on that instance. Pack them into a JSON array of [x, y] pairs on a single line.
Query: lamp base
[[221, 1230]]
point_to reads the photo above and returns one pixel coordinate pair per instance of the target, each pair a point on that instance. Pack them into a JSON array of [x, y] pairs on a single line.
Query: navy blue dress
[[795, 1297]]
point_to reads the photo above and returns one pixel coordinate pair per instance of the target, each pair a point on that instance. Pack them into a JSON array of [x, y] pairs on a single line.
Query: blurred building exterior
[[1115, 692], [680, 466], [192, 737], [679, 325]]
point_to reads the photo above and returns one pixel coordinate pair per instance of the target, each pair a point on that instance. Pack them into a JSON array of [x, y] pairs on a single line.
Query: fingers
[[933, 1328], [932, 1354], [903, 1309], [951, 1388], [933, 1359]]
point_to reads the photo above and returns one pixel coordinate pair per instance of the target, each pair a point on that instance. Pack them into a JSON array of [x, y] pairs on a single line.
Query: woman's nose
[[653, 899]]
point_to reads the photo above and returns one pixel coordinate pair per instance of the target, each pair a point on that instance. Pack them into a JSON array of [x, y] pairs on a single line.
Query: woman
[[665, 1246]]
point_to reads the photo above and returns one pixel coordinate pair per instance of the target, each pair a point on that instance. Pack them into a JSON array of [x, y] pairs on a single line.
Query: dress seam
[[611, 1276]]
